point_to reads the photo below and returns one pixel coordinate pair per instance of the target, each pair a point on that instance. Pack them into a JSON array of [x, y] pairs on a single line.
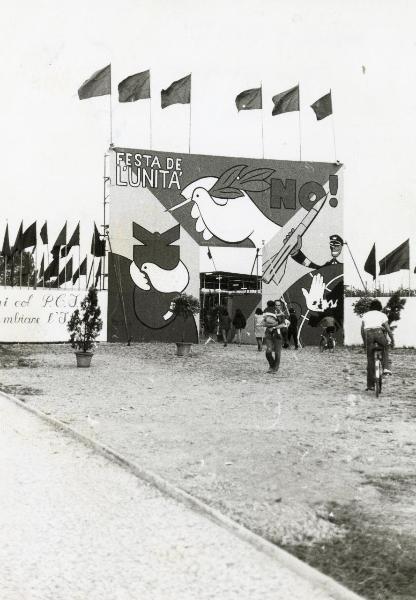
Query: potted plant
[[84, 326], [184, 306]]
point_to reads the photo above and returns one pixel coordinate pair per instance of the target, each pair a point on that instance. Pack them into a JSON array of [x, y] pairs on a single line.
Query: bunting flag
[[179, 92], [397, 259], [52, 269], [74, 241], [209, 254], [17, 246], [29, 236], [6, 250], [99, 84], [286, 101], [66, 273], [60, 241], [82, 270], [98, 274], [323, 107], [370, 263], [44, 233], [133, 88], [249, 100], [97, 244]]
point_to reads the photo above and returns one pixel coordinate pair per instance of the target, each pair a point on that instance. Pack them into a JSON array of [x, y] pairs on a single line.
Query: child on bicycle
[[375, 329]]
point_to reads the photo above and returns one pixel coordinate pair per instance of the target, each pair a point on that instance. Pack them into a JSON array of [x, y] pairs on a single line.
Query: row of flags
[[396, 260], [137, 87], [60, 266]]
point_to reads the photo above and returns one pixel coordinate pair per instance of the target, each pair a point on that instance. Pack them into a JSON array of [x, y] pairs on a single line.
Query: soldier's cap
[[335, 239]]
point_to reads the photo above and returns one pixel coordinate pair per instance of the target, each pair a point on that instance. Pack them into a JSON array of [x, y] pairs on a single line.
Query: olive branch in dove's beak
[[234, 182]]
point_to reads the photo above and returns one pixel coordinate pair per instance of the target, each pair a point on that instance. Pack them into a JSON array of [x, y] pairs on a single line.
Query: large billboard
[[165, 206]]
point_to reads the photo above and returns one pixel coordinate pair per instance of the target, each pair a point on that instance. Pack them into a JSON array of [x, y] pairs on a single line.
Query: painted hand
[[315, 299]]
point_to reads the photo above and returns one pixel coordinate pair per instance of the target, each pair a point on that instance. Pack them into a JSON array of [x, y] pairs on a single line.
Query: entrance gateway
[[235, 231]]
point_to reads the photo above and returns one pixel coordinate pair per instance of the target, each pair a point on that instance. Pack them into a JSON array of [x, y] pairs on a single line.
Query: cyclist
[[329, 326], [375, 328]]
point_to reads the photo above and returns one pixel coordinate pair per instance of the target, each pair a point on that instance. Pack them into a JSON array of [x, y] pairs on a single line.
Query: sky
[[364, 51]]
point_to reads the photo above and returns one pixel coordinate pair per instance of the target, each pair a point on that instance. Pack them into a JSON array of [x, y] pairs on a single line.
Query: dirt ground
[[305, 457]]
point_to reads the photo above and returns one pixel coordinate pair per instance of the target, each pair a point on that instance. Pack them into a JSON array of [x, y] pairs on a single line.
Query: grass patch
[[370, 559], [20, 390], [393, 486]]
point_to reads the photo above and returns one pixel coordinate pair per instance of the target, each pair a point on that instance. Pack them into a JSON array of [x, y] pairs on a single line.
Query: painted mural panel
[[164, 206]]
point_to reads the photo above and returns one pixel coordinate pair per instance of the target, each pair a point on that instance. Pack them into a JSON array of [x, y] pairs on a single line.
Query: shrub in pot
[[84, 326], [183, 307]]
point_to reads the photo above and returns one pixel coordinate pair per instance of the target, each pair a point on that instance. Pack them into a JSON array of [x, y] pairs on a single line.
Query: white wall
[[404, 334], [41, 315]]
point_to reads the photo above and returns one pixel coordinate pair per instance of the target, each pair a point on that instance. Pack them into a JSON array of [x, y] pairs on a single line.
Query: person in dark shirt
[[224, 325], [239, 323], [292, 331]]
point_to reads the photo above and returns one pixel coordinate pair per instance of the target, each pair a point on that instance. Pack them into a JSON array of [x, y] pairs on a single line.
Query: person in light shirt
[[375, 328]]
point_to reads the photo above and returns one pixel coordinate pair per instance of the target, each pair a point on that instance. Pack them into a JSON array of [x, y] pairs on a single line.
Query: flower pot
[[83, 359], [183, 348]]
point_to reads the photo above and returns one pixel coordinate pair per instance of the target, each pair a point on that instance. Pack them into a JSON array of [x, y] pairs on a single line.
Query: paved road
[[75, 526]]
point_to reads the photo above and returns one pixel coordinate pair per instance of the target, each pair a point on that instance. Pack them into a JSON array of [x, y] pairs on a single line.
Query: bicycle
[[378, 352], [327, 342]]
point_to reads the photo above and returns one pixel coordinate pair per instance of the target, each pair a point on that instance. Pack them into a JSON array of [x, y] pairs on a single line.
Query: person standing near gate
[[224, 324], [272, 337], [292, 331], [239, 323]]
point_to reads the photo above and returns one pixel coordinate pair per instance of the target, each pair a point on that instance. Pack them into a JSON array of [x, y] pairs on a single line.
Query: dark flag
[[44, 233], [18, 247], [42, 267], [66, 273], [99, 84], [60, 241], [323, 107], [74, 241], [135, 87], [370, 263], [6, 250], [249, 100], [395, 261], [52, 269], [179, 92], [286, 101], [97, 244], [29, 237], [209, 254], [82, 270], [98, 274]]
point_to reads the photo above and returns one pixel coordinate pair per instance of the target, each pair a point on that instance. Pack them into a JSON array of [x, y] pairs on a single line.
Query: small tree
[[85, 324], [185, 306], [393, 308], [362, 305]]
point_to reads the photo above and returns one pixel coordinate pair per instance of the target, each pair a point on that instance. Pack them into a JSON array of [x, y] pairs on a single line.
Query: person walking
[[259, 329], [272, 336], [239, 323], [224, 324], [284, 321], [292, 331]]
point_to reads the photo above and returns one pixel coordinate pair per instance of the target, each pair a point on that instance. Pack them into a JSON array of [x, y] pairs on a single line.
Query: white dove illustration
[[163, 280], [229, 219]]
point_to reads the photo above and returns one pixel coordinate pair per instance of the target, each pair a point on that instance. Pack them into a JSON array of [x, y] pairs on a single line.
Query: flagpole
[[150, 116], [79, 268], [5, 271], [111, 110], [333, 127], [21, 267], [355, 264], [300, 128], [262, 132], [190, 116]]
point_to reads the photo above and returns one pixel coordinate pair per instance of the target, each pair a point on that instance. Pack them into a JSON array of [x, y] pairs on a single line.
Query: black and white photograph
[[208, 300]]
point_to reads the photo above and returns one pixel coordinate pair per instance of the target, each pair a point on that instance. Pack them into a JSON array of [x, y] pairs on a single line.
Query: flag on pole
[[249, 100], [287, 101], [179, 92], [370, 263], [323, 107], [98, 274], [74, 241], [135, 87], [52, 269], [99, 84], [82, 270], [395, 261], [66, 274], [17, 246], [97, 244], [60, 241], [209, 254], [29, 236], [42, 267], [44, 233], [6, 250]]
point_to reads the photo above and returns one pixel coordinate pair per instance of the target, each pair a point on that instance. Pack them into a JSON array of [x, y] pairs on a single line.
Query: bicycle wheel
[[377, 378]]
